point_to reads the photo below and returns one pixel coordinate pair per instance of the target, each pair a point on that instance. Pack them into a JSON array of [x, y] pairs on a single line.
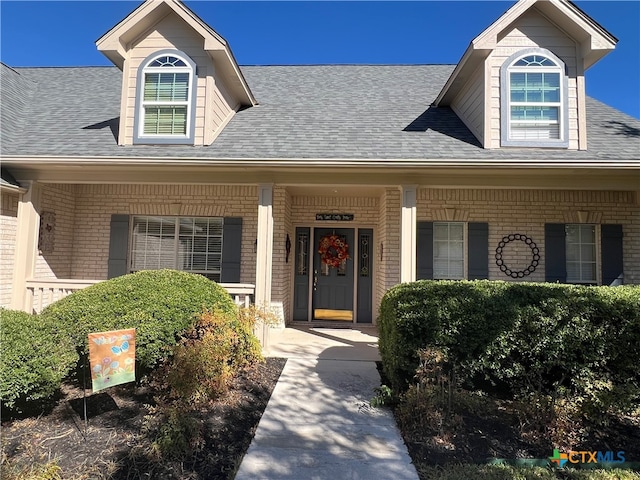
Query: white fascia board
[[55, 161], [12, 189]]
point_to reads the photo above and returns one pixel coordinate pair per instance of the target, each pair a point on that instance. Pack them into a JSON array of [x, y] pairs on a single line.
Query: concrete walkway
[[318, 423]]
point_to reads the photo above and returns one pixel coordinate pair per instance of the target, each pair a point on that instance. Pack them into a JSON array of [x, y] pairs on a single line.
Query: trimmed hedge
[[35, 358], [160, 304], [528, 337]]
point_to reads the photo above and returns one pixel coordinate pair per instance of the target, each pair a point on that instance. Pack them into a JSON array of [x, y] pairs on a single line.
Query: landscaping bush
[[35, 358], [210, 354], [160, 304], [561, 340]]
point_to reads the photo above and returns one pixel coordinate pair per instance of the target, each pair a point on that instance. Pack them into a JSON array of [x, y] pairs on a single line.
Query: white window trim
[[505, 100], [598, 256], [465, 249], [139, 137]]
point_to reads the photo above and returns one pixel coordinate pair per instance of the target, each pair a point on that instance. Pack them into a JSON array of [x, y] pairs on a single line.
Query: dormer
[[520, 83], [181, 84]]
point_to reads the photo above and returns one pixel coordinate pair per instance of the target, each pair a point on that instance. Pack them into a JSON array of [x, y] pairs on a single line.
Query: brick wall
[[96, 203], [527, 211], [55, 256], [281, 278], [83, 214], [388, 244], [303, 209], [8, 227]]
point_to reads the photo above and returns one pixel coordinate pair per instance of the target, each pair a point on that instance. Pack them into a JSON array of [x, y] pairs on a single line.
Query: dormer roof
[[116, 43], [592, 39]]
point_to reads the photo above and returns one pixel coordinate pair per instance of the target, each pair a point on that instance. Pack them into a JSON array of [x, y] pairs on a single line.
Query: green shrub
[[35, 358], [175, 433], [210, 354], [160, 304], [560, 340]]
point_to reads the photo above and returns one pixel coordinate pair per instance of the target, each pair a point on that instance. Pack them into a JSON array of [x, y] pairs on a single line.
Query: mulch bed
[[494, 434], [113, 444]]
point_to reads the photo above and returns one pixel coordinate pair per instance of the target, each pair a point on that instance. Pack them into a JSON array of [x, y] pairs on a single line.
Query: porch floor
[[318, 423]]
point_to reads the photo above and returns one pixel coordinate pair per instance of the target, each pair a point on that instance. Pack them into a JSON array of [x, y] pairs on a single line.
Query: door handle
[[315, 279]]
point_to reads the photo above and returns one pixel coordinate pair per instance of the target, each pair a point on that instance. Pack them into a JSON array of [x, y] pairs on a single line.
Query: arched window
[[533, 100], [165, 99]]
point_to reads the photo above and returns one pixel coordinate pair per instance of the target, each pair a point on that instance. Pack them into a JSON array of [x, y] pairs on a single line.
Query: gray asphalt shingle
[[321, 112]]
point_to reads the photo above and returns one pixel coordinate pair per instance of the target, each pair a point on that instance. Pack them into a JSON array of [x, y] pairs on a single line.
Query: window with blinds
[[166, 100], [532, 102], [581, 255], [448, 250], [192, 244]]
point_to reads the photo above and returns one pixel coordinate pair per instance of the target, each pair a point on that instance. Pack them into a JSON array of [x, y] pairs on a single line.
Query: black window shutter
[[424, 255], [118, 246], [478, 251], [555, 262], [611, 241], [231, 249]]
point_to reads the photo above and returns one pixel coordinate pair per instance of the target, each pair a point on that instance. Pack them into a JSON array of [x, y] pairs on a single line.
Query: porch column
[[26, 251], [408, 225], [264, 247]]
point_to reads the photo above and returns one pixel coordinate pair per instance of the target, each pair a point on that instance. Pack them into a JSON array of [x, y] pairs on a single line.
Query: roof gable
[[116, 43], [594, 41]]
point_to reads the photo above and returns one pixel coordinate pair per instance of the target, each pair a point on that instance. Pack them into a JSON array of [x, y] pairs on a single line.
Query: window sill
[[560, 144], [163, 141]]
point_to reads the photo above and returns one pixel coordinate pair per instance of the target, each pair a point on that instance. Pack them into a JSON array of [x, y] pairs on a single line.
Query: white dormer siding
[[213, 106], [554, 29], [534, 30], [469, 105]]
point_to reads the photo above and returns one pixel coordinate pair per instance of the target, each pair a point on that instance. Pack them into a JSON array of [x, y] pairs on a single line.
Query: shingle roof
[[15, 100], [316, 112]]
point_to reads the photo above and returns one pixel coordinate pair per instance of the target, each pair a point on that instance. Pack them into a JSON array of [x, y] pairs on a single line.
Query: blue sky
[[55, 33]]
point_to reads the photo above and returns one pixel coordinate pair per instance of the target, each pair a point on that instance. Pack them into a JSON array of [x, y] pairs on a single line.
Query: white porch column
[[264, 250], [408, 229], [26, 251]]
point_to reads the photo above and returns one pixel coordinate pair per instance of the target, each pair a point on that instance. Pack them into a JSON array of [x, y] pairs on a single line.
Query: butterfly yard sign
[[112, 356]]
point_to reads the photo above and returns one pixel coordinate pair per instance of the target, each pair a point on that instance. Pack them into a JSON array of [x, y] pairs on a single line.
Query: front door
[[333, 274]]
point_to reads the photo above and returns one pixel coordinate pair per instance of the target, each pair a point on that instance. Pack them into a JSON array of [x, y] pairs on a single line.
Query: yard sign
[[112, 356]]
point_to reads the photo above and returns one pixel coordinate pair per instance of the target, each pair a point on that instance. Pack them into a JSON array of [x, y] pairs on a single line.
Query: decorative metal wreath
[[517, 273], [333, 250]]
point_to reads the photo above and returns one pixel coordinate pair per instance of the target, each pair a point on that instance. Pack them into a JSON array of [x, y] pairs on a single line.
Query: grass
[[508, 472]]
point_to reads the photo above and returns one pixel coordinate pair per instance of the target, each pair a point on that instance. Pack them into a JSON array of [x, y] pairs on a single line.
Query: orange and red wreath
[[333, 250]]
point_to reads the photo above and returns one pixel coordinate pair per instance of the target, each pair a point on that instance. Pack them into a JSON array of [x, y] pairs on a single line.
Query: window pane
[[456, 269], [154, 244], [448, 250], [587, 253], [165, 120], [456, 250], [572, 233], [215, 226], [214, 245], [541, 114], [440, 231], [573, 252], [456, 231], [581, 253], [169, 87], [214, 262]]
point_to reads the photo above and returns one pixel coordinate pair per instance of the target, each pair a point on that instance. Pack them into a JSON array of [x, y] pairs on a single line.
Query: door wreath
[[333, 250]]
